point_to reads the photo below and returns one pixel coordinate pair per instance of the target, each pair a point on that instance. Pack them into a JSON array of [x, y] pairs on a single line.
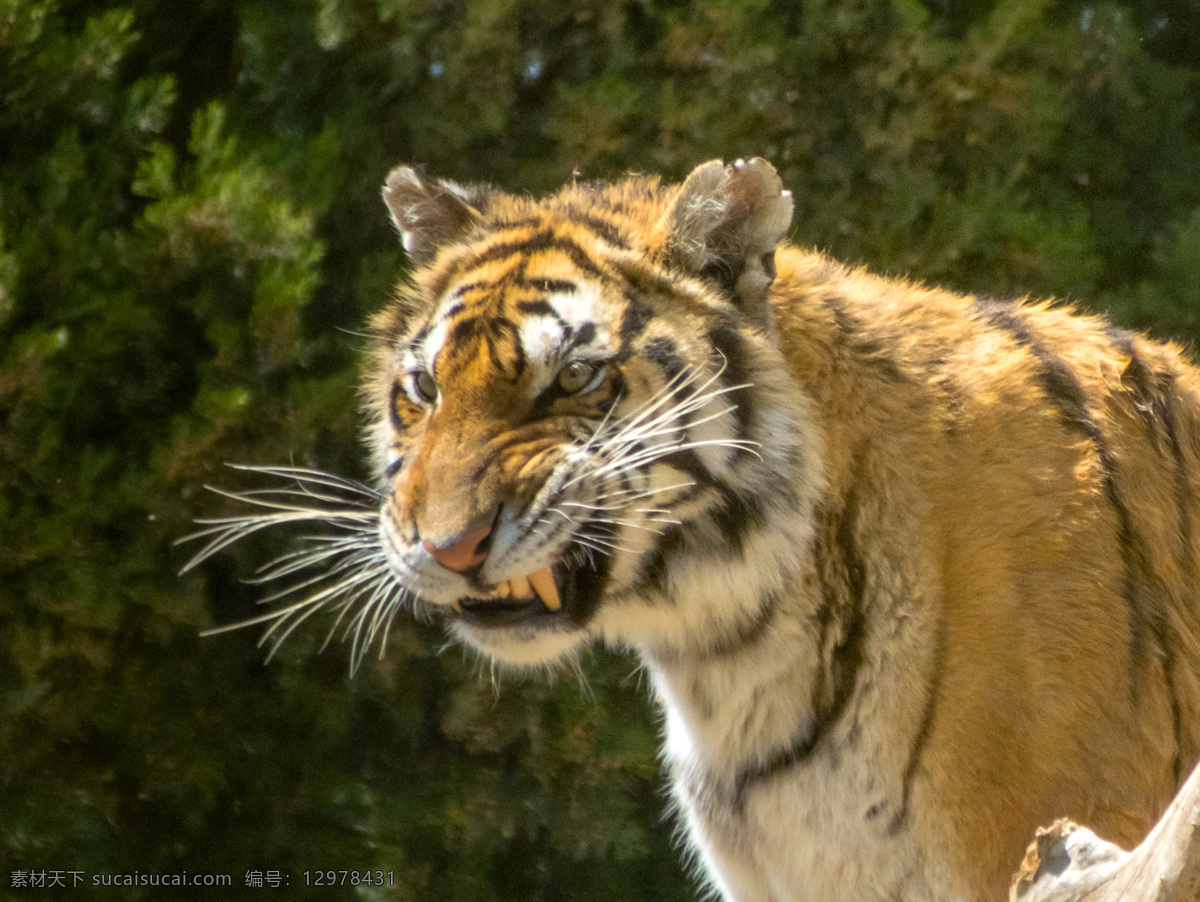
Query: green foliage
[[190, 234]]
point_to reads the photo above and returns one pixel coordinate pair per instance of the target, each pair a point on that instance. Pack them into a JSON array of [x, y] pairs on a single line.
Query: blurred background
[[190, 238]]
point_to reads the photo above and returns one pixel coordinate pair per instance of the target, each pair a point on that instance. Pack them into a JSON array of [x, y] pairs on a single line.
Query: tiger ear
[[725, 224], [429, 213]]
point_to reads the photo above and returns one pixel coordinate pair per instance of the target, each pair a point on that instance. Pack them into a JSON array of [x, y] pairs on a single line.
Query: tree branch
[[1069, 863]]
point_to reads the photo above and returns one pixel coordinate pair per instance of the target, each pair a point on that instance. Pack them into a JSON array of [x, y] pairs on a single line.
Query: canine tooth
[[543, 583], [505, 589], [521, 587]]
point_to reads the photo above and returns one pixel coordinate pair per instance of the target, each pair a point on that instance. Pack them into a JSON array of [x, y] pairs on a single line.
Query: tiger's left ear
[[430, 213], [724, 225]]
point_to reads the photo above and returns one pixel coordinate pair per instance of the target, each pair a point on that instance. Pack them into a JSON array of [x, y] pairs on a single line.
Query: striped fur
[[913, 572]]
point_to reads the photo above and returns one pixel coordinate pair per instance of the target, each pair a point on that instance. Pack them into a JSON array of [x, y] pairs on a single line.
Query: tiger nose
[[468, 549]]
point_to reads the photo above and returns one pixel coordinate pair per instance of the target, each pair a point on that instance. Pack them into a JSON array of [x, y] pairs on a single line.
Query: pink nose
[[466, 551]]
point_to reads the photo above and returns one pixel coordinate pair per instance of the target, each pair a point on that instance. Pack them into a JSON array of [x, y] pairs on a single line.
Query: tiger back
[[912, 572]]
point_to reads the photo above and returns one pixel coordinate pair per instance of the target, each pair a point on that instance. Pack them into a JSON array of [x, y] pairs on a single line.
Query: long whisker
[[669, 392], [629, 496], [646, 456], [385, 616], [341, 569], [668, 426], [656, 419], [317, 477], [682, 406], [654, 517]]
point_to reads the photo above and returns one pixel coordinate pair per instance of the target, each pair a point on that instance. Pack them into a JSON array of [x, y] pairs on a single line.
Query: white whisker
[[669, 392], [648, 455], [295, 561], [342, 570], [358, 565], [387, 616], [317, 477], [693, 402]]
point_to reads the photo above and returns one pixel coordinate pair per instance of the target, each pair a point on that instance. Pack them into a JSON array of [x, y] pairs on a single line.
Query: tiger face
[[568, 407]]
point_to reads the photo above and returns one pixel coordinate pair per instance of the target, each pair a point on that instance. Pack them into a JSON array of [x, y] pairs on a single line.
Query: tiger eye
[[424, 387], [575, 377]]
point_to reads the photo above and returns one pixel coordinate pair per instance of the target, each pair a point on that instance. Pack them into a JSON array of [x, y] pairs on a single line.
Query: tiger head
[[571, 409]]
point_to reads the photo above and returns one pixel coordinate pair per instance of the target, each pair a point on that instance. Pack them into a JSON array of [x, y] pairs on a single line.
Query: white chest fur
[[781, 807]]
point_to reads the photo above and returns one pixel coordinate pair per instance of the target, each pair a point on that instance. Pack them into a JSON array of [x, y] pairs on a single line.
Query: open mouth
[[556, 592], [513, 600]]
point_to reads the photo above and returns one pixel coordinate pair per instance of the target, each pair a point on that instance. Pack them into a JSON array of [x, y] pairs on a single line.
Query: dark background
[[190, 237]]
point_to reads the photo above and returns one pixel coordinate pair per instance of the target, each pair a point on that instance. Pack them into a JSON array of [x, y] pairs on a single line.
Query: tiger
[[912, 572]]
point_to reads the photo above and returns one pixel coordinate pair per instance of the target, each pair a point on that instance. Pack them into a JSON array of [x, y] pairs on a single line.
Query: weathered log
[[1069, 863]]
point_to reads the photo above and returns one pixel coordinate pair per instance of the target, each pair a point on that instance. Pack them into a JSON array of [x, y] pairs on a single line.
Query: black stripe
[[513, 225], [393, 468], [545, 400], [869, 351], [1153, 396], [618, 389], [540, 307], [624, 484], [736, 517], [1056, 378], [1182, 498], [731, 346], [552, 286], [652, 568], [464, 330], [837, 678], [437, 287], [689, 462], [585, 335], [414, 345], [777, 762], [497, 332], [1067, 395], [664, 353], [633, 322], [501, 334], [848, 655], [539, 242], [606, 231], [469, 286], [745, 635], [899, 820]]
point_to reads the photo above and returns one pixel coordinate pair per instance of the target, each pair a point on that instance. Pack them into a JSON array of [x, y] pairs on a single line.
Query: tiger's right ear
[[724, 225], [429, 213]]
